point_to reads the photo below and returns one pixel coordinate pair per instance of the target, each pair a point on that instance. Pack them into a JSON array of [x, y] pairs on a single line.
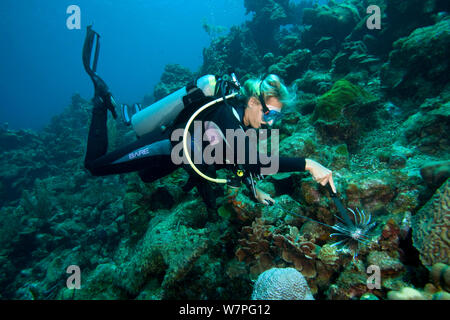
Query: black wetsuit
[[151, 153]]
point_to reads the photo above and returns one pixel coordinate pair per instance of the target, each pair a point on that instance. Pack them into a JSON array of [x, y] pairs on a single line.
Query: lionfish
[[350, 233]]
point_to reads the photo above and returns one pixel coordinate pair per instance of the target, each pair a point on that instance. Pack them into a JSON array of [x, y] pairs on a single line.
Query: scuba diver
[[215, 101]]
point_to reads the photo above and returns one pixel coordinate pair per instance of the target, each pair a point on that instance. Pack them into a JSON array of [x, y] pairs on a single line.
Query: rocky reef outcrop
[[333, 20], [418, 67], [173, 78], [371, 105], [424, 128]]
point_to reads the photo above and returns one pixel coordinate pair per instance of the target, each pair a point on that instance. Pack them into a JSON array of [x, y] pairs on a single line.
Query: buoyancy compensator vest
[[184, 106]]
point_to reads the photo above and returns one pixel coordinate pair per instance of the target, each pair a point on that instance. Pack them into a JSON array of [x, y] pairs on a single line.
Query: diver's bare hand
[[320, 174], [263, 197]]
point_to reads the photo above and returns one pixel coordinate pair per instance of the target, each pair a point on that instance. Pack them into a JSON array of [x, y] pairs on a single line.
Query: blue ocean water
[[40, 63]]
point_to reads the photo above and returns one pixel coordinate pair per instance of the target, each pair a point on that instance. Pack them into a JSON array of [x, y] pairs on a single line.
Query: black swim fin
[[102, 96]]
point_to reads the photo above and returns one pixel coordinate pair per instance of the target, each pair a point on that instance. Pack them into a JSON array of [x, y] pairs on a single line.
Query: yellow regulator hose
[[186, 131]]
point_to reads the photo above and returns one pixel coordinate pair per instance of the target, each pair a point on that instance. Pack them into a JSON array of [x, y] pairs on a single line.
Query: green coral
[[341, 156], [343, 93], [342, 150], [369, 296], [225, 212]]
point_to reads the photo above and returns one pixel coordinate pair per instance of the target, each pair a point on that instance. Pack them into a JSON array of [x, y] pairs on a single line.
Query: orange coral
[[301, 254], [244, 210], [255, 247]]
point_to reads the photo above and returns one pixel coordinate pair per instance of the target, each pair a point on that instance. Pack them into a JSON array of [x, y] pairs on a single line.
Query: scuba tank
[[163, 112]]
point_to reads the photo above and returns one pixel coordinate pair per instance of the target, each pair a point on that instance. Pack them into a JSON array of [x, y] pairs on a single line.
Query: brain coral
[[431, 228], [281, 284]]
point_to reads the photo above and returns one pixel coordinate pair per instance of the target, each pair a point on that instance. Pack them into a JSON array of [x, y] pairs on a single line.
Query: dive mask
[[271, 116]]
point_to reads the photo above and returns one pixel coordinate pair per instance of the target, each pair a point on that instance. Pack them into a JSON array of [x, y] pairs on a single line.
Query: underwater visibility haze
[[140, 38], [103, 102]]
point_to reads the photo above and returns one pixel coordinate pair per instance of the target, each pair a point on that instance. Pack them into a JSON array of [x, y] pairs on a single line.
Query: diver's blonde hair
[[270, 86]]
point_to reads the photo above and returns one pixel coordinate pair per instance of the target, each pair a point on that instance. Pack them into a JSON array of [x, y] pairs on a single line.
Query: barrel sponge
[[431, 225], [281, 284]]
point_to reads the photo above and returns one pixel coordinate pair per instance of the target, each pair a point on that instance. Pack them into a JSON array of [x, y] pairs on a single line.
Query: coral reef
[[440, 276], [353, 57], [435, 173], [342, 94], [431, 228], [292, 65], [338, 112], [371, 105], [418, 67], [173, 78], [255, 247], [428, 293], [424, 128], [281, 284], [336, 21], [406, 294]]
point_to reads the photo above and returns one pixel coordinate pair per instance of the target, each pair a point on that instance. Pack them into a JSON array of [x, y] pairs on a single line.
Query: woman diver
[[257, 103]]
